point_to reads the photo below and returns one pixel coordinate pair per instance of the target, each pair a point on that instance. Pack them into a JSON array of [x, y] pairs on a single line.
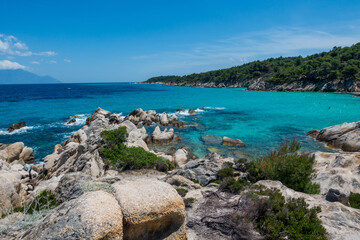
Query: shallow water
[[261, 119]]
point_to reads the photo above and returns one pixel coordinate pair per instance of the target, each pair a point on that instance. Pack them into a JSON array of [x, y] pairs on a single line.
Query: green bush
[[354, 200], [225, 172], [44, 201], [182, 191], [278, 219], [189, 201], [233, 185], [121, 157], [293, 169]]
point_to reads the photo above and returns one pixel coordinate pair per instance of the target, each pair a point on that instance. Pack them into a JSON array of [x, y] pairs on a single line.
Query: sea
[[262, 120]]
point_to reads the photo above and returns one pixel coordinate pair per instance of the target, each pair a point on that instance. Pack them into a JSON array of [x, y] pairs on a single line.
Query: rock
[[37, 168], [341, 222], [71, 121], [10, 191], [344, 136], [337, 171], [151, 209], [99, 112], [192, 111], [13, 151], [27, 155], [16, 126], [313, 133], [204, 170], [180, 181], [57, 146], [180, 157], [164, 120], [164, 137], [95, 215], [211, 139], [334, 195], [233, 142], [214, 215]]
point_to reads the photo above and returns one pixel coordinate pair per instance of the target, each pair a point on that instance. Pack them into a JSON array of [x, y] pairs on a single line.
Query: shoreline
[[337, 86]]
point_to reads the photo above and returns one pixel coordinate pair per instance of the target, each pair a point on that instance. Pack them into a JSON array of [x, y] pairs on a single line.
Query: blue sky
[[114, 41]]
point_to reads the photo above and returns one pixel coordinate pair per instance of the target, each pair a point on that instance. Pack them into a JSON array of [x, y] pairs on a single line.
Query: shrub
[[225, 172], [44, 201], [292, 220], [354, 200], [121, 157], [182, 191], [189, 201], [233, 185], [293, 169]]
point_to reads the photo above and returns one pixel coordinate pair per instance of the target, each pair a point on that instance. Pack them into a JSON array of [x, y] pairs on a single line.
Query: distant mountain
[[20, 76]]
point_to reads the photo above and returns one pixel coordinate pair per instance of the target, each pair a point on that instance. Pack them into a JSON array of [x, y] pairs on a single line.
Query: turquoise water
[[261, 119]]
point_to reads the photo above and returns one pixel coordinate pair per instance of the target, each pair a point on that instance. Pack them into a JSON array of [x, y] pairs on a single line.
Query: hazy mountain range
[[20, 76]]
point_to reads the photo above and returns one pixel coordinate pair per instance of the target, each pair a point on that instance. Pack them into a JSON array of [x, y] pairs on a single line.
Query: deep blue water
[[261, 119]]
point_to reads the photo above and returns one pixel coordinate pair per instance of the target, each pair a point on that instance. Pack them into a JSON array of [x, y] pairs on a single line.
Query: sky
[[129, 41]]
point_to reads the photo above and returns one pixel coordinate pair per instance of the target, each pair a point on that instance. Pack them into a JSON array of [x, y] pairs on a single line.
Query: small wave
[[80, 120], [17, 131], [215, 108], [183, 113], [198, 110]]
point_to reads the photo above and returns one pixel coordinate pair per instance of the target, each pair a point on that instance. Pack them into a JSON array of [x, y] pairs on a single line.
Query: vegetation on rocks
[[287, 165], [337, 64], [354, 200], [44, 201], [278, 219], [114, 151]]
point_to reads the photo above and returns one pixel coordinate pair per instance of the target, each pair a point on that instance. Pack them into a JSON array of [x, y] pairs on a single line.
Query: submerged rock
[[16, 126], [211, 139], [232, 142]]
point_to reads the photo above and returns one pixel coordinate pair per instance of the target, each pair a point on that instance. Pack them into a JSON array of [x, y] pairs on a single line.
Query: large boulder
[[11, 152], [151, 209], [164, 119], [180, 157], [162, 137], [94, 215], [10, 191], [344, 136]]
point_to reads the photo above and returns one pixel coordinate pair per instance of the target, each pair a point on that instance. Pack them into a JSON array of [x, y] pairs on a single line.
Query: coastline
[[339, 86]]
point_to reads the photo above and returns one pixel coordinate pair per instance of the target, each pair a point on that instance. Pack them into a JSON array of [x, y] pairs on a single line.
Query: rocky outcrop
[[181, 157], [204, 170], [94, 215], [147, 118], [162, 137], [16, 152], [151, 210], [341, 222], [338, 171], [344, 136], [16, 126], [260, 84], [232, 142]]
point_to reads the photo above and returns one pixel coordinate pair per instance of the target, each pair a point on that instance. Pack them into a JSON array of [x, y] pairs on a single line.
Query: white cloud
[[53, 61], [254, 45], [6, 64], [10, 45], [35, 62], [67, 60]]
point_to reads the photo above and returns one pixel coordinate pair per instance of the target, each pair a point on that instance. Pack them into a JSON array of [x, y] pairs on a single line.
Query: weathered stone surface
[[344, 136], [27, 155], [180, 157], [16, 126], [338, 171], [205, 169], [334, 195], [94, 215], [10, 190], [162, 137], [341, 222], [152, 209], [233, 142], [11, 152]]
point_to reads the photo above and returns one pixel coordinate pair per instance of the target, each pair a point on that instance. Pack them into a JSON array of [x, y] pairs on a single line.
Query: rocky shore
[[344, 86], [77, 193]]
